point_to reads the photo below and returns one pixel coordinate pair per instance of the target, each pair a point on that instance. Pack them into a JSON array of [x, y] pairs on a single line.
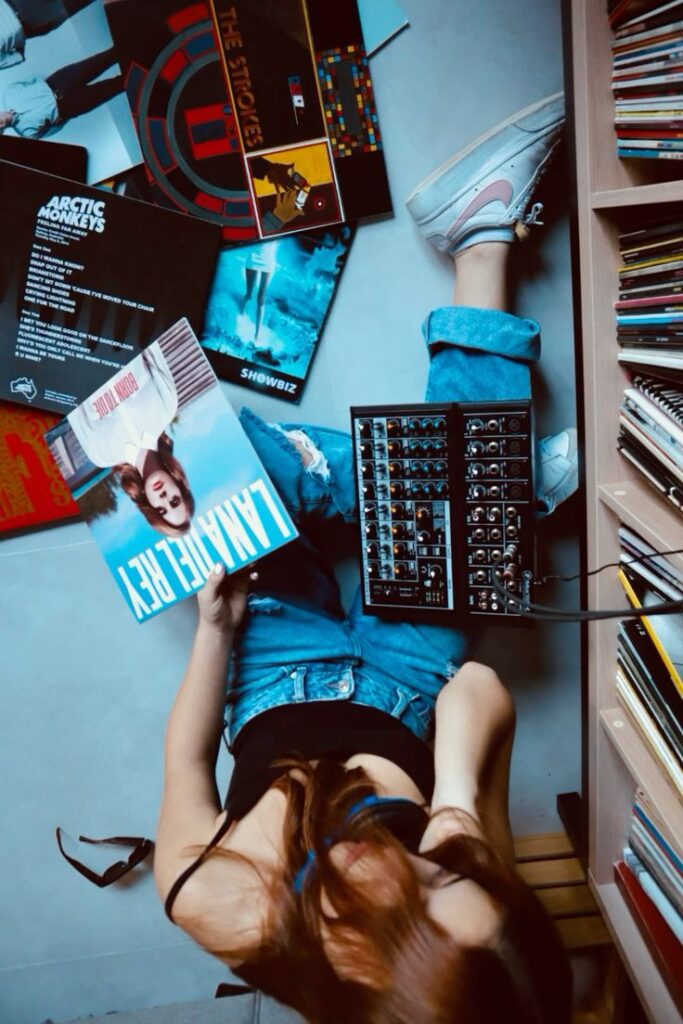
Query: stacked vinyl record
[[647, 77], [650, 654], [649, 315]]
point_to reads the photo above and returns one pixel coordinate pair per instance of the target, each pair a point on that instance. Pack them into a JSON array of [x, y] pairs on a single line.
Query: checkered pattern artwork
[[348, 101]]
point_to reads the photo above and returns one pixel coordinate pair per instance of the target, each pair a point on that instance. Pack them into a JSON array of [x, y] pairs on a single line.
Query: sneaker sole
[[517, 116]]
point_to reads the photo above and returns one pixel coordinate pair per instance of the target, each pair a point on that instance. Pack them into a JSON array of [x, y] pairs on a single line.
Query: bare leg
[[481, 276]]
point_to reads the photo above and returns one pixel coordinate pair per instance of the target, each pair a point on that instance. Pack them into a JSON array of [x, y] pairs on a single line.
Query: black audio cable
[[545, 613]]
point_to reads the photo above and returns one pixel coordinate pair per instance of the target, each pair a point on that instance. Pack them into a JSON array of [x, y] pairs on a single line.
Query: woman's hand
[[223, 599]]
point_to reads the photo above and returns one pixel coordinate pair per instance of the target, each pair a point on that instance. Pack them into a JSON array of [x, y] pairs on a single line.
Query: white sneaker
[[559, 470], [482, 192]]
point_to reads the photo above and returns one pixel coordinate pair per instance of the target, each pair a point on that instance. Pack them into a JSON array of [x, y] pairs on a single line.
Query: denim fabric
[[296, 643]]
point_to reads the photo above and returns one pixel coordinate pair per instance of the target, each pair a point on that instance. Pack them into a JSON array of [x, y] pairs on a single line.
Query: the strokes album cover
[[258, 115]]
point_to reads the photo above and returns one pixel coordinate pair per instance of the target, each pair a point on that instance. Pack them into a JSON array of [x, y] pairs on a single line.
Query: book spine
[[651, 889], [650, 154]]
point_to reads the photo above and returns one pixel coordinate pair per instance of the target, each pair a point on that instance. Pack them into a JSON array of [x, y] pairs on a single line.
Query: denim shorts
[[297, 643]]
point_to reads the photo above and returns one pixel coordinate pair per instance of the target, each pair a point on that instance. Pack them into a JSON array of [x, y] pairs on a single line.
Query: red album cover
[[32, 490]]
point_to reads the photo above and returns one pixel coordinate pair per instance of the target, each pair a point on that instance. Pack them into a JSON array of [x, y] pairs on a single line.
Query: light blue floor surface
[[86, 691]]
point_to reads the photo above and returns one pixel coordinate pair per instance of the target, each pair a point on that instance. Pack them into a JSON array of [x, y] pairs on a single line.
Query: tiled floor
[[86, 692]]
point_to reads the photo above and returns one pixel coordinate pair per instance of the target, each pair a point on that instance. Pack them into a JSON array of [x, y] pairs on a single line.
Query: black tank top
[[318, 729]]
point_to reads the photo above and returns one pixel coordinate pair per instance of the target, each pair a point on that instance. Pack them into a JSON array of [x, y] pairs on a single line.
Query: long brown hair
[[412, 971], [133, 484]]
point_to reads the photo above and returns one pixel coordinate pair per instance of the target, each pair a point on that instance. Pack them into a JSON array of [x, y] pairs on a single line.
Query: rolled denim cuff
[[479, 355], [487, 330]]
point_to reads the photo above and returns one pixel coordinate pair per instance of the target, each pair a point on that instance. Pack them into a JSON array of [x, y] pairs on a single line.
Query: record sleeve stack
[[649, 318], [650, 875], [650, 655], [647, 77]]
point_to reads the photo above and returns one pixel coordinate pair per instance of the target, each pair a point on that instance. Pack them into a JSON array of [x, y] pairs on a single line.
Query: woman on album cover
[[40, 106], [25, 19], [132, 438], [354, 873]]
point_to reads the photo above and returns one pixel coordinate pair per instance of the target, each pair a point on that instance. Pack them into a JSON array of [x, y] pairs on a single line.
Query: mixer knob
[[371, 530], [478, 491], [424, 537], [368, 490], [441, 489], [440, 468], [477, 469], [439, 424], [386, 550], [476, 426], [400, 570], [428, 468], [417, 469], [478, 514], [369, 511], [429, 489], [367, 469], [494, 514], [373, 569], [415, 426], [366, 449], [396, 489], [394, 448], [400, 550], [365, 428], [372, 550], [397, 509], [398, 530], [393, 427], [395, 469], [435, 572], [475, 448]]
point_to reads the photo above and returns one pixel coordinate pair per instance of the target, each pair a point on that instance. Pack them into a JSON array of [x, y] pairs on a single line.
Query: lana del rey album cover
[[87, 280], [165, 476], [257, 115]]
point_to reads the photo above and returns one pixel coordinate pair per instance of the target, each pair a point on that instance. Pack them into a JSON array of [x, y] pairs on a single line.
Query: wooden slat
[[546, 873], [568, 901], [582, 932], [547, 844]]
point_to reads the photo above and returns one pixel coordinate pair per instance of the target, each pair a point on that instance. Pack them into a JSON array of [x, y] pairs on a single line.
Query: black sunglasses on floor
[[141, 849]]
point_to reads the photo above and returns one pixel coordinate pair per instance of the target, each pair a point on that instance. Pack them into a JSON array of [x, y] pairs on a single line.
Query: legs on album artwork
[[297, 643]]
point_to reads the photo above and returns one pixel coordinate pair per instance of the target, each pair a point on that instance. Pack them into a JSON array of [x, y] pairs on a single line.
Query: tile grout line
[[94, 956], [50, 547]]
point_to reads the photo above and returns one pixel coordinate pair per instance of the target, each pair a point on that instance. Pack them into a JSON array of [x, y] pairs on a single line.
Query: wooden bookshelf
[[610, 193]]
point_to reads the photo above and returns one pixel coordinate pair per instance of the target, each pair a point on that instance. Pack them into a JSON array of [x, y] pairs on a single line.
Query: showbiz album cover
[[87, 280], [166, 478], [257, 115], [268, 306]]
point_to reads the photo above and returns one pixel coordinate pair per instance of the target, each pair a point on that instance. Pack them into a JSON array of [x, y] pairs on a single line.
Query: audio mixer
[[446, 502]]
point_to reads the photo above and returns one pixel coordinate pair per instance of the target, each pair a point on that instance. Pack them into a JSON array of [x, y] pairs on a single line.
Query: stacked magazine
[[647, 77], [650, 876]]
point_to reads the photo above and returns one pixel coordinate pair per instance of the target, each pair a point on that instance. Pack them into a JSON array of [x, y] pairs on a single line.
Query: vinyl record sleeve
[[87, 280], [166, 478], [257, 115]]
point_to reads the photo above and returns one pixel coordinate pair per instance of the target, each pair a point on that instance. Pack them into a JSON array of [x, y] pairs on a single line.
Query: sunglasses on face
[[141, 848]]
